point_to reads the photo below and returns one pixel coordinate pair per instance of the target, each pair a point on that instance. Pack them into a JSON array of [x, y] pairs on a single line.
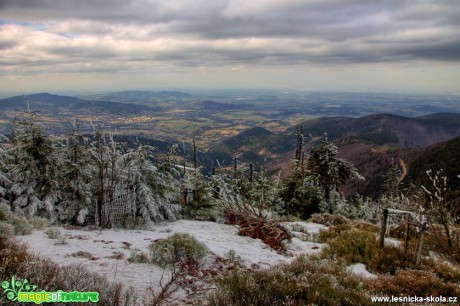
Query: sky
[[325, 45]]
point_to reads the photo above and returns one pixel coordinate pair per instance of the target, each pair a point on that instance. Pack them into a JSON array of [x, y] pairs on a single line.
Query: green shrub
[[388, 260], [137, 223], [5, 212], [328, 219], [444, 270], [137, 256], [416, 282], [355, 246], [437, 241], [39, 223], [16, 260], [21, 225], [231, 256], [333, 232], [365, 226], [6, 229], [306, 281], [180, 247], [60, 241], [53, 233]]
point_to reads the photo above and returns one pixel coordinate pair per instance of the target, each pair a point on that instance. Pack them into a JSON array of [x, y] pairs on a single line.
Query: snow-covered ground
[[103, 247]]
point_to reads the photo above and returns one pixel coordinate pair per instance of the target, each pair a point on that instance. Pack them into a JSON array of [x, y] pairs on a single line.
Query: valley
[[255, 126], [215, 115]]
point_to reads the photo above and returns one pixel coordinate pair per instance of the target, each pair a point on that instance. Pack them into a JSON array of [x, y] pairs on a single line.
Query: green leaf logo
[[13, 288]]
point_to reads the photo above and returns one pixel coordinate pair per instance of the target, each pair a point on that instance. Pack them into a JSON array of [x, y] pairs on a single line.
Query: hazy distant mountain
[[257, 144], [215, 106], [445, 156], [385, 128], [55, 104], [140, 96]]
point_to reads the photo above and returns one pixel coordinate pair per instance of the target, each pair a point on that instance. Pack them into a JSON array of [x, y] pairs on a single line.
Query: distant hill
[[140, 96], [381, 129], [385, 128], [250, 145], [444, 156], [215, 106], [56, 104]]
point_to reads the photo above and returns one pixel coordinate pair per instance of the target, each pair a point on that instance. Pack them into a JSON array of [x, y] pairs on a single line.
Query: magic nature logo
[[23, 291]]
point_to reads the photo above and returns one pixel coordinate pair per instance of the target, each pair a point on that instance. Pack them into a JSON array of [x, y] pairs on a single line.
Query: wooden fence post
[[383, 227], [406, 236], [420, 242]]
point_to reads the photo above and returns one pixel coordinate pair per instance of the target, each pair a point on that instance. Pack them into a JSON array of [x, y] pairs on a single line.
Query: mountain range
[[380, 129], [163, 118], [371, 143]]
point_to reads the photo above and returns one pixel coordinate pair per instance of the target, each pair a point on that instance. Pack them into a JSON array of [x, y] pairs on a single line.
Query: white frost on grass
[[392, 242], [103, 245], [360, 270], [307, 227]]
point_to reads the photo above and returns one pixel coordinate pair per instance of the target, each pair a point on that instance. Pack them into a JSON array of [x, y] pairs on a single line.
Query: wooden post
[[185, 197], [383, 227], [406, 238], [420, 242]]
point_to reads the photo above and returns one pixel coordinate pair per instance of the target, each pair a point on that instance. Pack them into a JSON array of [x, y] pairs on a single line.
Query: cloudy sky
[[339, 45]]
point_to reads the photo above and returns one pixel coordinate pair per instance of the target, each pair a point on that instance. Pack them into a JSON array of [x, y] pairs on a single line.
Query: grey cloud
[[7, 44], [81, 52], [350, 31]]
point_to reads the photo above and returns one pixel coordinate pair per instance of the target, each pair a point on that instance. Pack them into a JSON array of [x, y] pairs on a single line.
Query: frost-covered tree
[[329, 171], [201, 204], [78, 179], [157, 190], [236, 194], [439, 207], [32, 164], [392, 180], [102, 156], [5, 182], [300, 192], [301, 196], [170, 162], [264, 193]]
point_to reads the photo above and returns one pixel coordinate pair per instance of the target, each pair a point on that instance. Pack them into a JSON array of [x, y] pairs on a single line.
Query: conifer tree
[[263, 194], [78, 173], [300, 193], [32, 165], [329, 171], [157, 190], [392, 179]]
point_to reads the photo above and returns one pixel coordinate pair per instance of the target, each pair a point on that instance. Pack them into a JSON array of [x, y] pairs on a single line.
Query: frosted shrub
[[138, 257], [39, 223], [53, 233], [60, 240], [231, 256], [21, 225], [5, 212], [6, 229], [138, 223], [328, 219], [178, 248], [47, 275], [305, 281]]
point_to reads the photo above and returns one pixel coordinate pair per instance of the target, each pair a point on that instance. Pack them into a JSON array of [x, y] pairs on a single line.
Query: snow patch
[[104, 247], [359, 269]]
